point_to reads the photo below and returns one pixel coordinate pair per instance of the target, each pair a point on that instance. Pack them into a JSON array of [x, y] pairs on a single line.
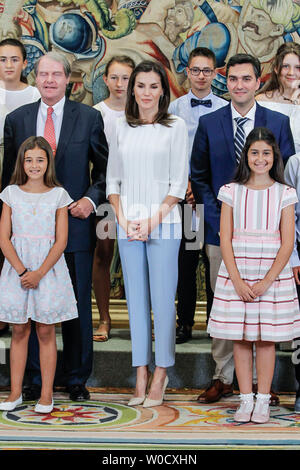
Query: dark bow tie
[[206, 103]]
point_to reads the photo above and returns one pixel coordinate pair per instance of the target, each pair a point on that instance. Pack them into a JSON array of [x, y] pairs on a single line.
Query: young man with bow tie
[[201, 70]]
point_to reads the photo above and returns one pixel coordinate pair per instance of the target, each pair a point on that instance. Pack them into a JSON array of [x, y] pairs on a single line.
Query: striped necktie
[[49, 131], [240, 137]]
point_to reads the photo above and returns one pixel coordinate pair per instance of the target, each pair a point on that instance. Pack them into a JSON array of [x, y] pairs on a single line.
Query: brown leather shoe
[[274, 400], [215, 391]]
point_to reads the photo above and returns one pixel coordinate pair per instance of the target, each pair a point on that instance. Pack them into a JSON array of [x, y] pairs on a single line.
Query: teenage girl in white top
[[116, 77], [14, 89], [282, 91]]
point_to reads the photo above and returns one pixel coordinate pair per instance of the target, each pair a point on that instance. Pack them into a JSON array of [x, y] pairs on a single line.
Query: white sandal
[[102, 337]]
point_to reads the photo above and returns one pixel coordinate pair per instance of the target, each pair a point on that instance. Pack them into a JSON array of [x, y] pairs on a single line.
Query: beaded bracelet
[[20, 275]]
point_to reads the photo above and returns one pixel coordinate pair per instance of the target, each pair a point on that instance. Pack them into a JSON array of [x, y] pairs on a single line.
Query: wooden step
[[119, 314]]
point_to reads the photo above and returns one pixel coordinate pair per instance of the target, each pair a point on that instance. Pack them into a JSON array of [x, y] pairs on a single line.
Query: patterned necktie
[[206, 103], [240, 137], [49, 131]]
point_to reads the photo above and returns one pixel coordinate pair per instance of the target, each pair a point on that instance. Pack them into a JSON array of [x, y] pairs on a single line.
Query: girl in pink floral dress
[[255, 298], [35, 282]]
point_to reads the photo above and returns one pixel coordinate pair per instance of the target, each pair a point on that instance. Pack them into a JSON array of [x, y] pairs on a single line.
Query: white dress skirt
[[33, 235]]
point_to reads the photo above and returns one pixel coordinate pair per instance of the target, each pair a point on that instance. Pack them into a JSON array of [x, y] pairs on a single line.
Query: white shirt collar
[[58, 107], [192, 95], [249, 115]]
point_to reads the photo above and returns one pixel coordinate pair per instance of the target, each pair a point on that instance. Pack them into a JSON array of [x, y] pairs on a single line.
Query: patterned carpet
[[106, 422]]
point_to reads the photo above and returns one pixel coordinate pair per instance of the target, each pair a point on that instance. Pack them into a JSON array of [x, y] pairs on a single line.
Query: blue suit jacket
[[82, 145], [213, 161]]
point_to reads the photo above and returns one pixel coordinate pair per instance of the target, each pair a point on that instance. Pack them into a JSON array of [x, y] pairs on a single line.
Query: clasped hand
[[249, 293], [31, 279], [139, 230]]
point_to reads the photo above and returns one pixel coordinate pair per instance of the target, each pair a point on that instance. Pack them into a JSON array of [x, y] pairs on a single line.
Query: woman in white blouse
[[147, 175]]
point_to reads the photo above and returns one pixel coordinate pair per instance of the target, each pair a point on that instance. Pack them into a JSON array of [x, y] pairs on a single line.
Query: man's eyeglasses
[[206, 71]]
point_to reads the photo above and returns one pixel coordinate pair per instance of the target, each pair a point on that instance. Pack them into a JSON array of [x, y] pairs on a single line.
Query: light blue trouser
[[150, 272]]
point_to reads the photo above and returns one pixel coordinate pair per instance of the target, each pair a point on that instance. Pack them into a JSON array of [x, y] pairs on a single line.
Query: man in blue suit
[[213, 163], [81, 151]]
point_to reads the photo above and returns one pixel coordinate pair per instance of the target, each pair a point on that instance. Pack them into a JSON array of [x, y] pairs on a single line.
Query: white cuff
[[92, 202]]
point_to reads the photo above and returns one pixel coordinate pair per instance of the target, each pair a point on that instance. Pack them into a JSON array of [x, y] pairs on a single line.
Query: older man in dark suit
[[216, 150], [75, 133]]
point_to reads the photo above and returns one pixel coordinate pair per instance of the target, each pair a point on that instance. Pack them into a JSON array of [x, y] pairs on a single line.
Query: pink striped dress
[[275, 315]]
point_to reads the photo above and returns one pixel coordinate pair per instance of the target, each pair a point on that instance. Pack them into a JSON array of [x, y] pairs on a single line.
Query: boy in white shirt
[[201, 70]]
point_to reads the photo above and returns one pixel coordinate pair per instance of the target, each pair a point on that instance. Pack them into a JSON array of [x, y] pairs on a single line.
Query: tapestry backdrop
[[90, 32]]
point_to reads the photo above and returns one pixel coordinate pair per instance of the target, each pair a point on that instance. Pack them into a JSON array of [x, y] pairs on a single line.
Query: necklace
[[37, 201], [35, 206], [289, 99]]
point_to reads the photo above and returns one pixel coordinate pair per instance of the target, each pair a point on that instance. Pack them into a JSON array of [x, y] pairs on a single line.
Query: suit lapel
[[228, 130], [260, 121], [30, 119], [67, 126], [260, 116]]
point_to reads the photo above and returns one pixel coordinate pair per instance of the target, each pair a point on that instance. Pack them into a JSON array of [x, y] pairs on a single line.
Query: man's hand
[[189, 197], [296, 272], [81, 208]]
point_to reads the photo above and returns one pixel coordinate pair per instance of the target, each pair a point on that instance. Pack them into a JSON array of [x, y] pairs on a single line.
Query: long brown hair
[[132, 109], [243, 171], [274, 83], [19, 176]]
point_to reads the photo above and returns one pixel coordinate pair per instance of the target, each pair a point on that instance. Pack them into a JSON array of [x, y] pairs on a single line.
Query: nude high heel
[[135, 401], [148, 403]]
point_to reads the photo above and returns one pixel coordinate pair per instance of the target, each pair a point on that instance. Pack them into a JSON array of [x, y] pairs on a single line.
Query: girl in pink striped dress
[[255, 297]]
